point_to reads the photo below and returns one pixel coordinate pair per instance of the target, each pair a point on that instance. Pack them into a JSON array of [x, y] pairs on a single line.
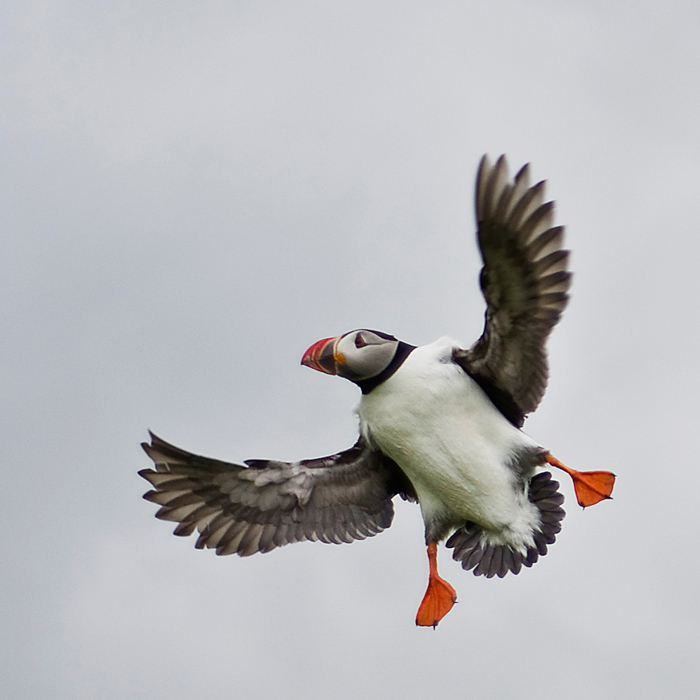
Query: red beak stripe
[[320, 356]]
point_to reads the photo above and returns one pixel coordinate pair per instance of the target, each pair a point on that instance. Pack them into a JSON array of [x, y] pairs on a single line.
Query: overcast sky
[[194, 192]]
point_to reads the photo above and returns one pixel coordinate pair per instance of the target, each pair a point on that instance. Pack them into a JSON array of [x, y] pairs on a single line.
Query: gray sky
[[193, 193]]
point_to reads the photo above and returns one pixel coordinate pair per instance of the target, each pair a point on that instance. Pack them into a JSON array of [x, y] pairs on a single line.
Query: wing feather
[[267, 504], [525, 281]]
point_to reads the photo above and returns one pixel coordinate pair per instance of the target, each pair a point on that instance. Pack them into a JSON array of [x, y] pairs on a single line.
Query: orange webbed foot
[[590, 487], [437, 602], [593, 487], [439, 596]]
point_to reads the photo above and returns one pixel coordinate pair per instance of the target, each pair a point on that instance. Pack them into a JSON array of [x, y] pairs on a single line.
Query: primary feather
[[266, 504], [525, 281]]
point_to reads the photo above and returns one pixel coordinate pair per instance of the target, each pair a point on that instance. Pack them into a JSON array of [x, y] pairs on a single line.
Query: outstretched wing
[[525, 280], [267, 504]]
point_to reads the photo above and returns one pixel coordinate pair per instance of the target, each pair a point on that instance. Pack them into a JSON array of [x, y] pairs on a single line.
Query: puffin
[[440, 425]]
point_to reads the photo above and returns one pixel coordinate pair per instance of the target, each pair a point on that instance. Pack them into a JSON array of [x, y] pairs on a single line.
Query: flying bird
[[440, 425]]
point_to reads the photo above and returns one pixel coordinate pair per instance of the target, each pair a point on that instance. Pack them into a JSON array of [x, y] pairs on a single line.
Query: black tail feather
[[473, 551]]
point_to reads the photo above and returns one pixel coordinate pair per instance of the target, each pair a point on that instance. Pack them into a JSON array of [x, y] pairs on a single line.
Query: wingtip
[[484, 163], [481, 178], [523, 173], [501, 161], [491, 180]]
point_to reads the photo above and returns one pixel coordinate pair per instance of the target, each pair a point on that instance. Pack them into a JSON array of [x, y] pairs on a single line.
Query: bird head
[[364, 357]]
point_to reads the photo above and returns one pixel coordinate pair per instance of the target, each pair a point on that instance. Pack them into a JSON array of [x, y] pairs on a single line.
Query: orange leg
[[440, 596], [590, 487]]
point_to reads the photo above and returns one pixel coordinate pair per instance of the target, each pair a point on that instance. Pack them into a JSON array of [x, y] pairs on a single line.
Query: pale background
[[194, 192]]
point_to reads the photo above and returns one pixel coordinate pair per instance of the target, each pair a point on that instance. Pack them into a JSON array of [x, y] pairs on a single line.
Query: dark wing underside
[[267, 504], [525, 280]]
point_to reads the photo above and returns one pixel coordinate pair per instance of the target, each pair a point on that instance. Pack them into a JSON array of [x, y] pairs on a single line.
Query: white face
[[362, 354]]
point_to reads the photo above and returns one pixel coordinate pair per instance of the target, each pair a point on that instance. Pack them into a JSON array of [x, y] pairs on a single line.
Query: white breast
[[457, 449]]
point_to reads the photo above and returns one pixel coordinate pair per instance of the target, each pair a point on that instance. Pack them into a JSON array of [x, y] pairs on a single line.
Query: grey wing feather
[[525, 281], [267, 504]]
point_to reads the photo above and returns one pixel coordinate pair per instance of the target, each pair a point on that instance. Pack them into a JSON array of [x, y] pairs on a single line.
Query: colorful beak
[[321, 357]]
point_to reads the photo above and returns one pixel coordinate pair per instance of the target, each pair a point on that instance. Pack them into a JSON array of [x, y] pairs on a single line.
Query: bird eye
[[360, 342]]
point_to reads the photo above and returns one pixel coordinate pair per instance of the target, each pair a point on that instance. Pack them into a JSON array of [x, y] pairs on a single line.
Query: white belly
[[457, 449]]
